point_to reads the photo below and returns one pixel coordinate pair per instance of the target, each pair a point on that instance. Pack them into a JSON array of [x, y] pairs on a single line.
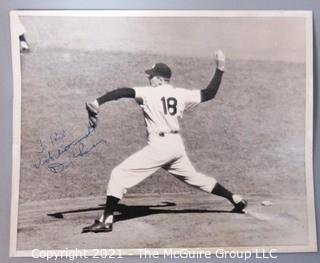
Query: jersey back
[[163, 105]]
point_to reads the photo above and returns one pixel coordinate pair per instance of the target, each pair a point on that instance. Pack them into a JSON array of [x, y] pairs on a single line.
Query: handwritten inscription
[[57, 156]]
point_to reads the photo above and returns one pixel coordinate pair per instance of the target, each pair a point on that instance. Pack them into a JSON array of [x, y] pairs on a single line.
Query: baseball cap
[[159, 69]]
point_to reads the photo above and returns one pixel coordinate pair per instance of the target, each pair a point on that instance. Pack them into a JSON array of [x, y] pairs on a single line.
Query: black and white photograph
[[162, 130]]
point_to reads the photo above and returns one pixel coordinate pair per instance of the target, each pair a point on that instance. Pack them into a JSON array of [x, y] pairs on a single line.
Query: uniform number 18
[[169, 105]]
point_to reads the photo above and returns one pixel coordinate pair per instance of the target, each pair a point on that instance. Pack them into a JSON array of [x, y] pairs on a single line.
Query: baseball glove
[[93, 110]]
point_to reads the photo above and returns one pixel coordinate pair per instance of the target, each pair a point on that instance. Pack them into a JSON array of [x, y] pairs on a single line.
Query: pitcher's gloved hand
[[93, 110]]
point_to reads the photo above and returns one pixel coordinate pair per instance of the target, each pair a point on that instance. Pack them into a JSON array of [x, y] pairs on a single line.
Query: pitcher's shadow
[[126, 212]]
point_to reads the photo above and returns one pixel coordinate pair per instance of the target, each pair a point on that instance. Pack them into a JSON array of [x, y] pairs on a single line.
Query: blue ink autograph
[[52, 158], [55, 138]]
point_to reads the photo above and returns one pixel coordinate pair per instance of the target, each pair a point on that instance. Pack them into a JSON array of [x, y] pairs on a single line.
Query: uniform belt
[[162, 134]]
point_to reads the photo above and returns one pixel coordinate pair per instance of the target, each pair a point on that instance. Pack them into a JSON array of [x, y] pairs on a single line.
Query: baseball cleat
[[239, 204], [98, 227], [24, 46]]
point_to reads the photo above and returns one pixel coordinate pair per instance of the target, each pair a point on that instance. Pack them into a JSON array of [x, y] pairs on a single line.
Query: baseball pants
[[167, 152]]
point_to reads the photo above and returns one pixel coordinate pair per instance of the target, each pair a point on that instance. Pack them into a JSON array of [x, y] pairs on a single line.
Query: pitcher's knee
[[117, 173], [116, 186], [204, 182]]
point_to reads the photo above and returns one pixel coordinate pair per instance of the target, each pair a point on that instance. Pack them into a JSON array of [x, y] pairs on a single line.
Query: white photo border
[[312, 244]]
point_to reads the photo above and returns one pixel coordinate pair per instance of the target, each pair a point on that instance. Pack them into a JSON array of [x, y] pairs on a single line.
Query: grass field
[[251, 137]]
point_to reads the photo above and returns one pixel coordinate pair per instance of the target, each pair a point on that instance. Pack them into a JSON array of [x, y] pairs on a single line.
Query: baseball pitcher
[[162, 105]]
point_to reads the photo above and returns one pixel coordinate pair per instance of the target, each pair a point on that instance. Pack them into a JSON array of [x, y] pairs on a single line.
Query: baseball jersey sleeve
[[141, 94], [191, 98]]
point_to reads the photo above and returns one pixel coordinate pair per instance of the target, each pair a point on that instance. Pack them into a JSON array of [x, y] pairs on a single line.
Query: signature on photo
[[53, 154]]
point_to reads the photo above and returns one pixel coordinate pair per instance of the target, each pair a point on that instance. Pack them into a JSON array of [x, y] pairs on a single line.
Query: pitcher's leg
[[130, 172], [184, 170]]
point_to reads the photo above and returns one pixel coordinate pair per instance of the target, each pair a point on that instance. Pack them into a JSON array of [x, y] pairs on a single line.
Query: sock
[[107, 220], [219, 190], [22, 38], [111, 204]]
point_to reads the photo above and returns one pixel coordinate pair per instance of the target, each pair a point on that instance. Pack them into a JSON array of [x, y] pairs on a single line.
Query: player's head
[[159, 74]]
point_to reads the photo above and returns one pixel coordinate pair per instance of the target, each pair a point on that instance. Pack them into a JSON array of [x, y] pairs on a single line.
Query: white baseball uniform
[[162, 106]]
